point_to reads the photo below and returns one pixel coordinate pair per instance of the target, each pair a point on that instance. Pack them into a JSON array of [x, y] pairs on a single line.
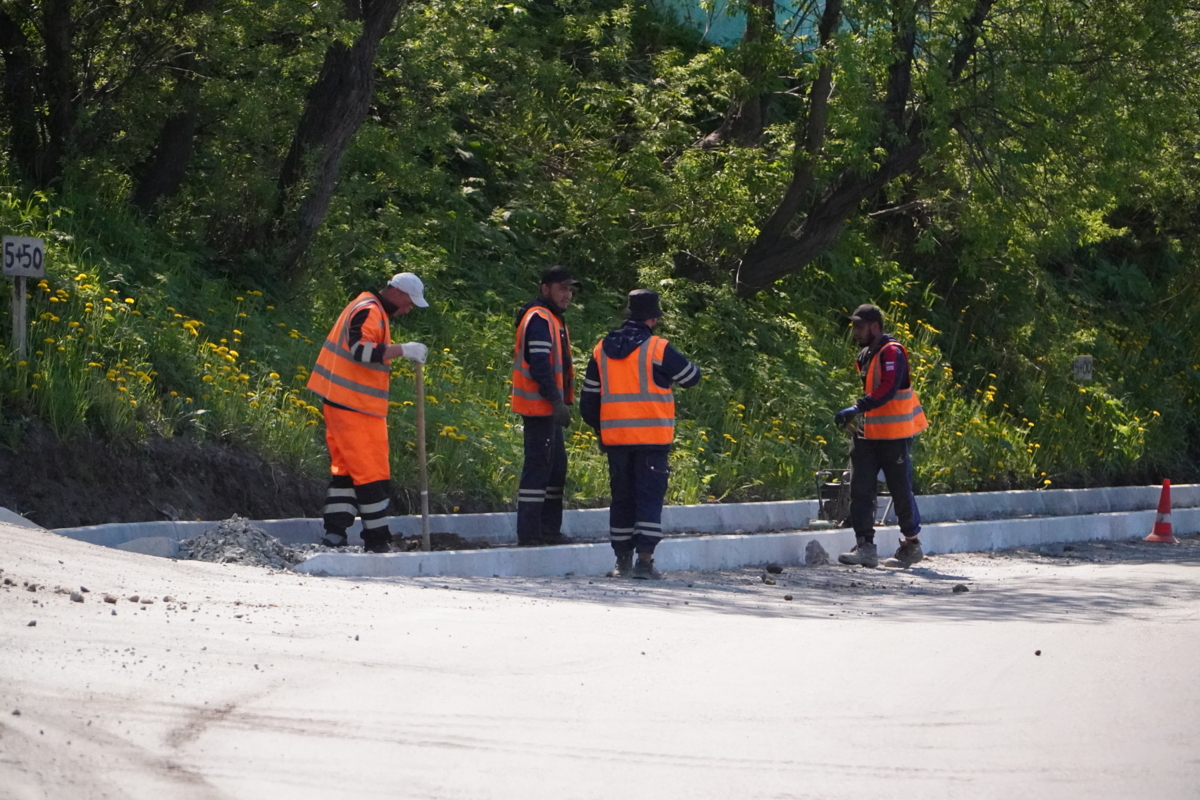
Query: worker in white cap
[[352, 377]]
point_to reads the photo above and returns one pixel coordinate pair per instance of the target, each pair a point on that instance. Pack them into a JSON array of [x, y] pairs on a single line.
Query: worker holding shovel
[[352, 377]]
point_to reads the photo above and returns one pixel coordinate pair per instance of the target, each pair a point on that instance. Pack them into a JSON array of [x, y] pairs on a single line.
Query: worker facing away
[[543, 390], [891, 417], [627, 397], [352, 377]]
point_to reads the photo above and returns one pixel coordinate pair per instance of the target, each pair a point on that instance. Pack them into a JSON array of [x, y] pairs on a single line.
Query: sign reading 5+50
[[24, 256]]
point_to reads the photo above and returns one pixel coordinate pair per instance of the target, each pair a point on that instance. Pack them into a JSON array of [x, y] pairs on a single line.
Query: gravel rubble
[[236, 541]]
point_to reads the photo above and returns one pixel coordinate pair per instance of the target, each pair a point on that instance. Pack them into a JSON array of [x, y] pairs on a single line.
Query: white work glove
[[414, 351]]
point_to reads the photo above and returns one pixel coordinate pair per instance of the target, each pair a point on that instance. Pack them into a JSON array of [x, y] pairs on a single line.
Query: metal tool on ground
[[422, 462], [833, 492], [833, 498]]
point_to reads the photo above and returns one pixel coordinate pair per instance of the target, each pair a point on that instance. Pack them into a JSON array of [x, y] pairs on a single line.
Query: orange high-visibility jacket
[[362, 386], [900, 417], [633, 408], [526, 399]]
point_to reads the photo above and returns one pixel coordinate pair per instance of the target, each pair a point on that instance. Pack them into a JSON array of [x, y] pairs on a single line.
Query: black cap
[[643, 304], [557, 274], [867, 313]]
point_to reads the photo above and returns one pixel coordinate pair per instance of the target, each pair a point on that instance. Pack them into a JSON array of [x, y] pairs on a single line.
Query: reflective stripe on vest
[[633, 408], [900, 417], [526, 399], [339, 378]]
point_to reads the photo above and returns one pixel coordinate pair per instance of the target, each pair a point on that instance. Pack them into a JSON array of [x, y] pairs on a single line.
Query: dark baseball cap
[[557, 274], [867, 313]]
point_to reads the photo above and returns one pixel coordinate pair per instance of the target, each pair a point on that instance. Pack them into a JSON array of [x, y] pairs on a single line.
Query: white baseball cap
[[411, 285]]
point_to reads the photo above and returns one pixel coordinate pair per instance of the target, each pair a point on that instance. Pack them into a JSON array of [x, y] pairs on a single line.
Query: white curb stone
[[731, 552], [951, 523]]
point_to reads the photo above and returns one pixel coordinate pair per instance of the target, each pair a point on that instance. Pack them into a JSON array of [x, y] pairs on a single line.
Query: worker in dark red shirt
[[891, 417]]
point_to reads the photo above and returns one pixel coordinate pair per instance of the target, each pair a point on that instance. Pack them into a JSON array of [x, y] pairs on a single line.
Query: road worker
[[627, 397], [543, 390], [352, 377], [891, 417]]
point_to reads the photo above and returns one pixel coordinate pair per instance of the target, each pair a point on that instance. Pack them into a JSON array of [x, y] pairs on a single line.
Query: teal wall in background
[[719, 26]]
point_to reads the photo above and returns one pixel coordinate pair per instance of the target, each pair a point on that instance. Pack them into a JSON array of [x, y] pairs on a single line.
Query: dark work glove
[[562, 414], [843, 417]]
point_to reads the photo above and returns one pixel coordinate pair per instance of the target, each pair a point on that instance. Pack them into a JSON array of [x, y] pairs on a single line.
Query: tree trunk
[[779, 249], [20, 98], [59, 88], [746, 116], [335, 109], [164, 171]]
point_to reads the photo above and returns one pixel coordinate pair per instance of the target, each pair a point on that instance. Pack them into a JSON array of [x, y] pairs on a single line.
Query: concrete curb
[[716, 518], [734, 551], [13, 518], [952, 523]]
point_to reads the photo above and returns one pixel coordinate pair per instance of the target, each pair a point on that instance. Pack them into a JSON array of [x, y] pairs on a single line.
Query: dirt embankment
[[61, 484]]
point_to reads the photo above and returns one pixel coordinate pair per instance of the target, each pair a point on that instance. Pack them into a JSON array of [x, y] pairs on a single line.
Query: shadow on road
[[1089, 582]]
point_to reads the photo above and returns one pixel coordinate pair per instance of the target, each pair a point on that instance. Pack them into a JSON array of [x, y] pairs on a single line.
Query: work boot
[[908, 553], [381, 546], [556, 538], [644, 570], [624, 567], [864, 554], [331, 539]]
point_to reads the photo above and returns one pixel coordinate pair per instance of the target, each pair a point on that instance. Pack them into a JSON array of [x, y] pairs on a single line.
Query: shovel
[[422, 463]]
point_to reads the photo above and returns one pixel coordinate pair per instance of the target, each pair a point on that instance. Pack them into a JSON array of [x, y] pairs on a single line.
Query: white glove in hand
[[414, 351]]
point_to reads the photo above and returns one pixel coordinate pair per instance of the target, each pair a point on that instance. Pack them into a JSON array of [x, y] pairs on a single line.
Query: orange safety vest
[[526, 399], [633, 408], [898, 418], [362, 386]]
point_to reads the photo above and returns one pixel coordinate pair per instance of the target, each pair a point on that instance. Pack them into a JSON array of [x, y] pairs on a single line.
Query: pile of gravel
[[236, 541]]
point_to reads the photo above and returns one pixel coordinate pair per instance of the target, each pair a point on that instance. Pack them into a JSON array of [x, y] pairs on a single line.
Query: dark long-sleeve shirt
[[538, 348], [893, 373], [366, 352], [675, 368]]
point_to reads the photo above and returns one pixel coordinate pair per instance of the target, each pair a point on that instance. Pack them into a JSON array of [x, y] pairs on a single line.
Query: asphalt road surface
[[1057, 674]]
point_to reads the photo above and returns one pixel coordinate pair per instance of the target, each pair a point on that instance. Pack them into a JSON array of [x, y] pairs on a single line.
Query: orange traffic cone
[[1162, 522]]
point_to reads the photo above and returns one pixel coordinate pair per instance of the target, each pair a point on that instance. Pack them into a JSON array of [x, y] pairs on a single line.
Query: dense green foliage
[[1054, 213]]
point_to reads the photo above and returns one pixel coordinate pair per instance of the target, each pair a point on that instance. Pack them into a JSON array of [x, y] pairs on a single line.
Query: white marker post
[[24, 257], [1082, 368]]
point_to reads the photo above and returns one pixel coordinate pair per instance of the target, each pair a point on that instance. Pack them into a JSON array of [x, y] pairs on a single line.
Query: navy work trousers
[[637, 477], [894, 457], [540, 495]]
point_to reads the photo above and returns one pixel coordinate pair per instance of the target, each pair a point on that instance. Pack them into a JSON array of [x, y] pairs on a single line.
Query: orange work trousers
[[358, 445]]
